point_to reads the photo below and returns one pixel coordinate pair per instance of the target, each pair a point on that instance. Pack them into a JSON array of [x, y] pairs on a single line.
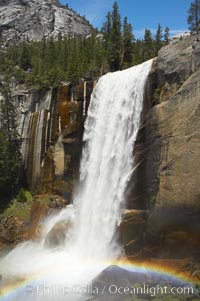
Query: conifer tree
[[116, 39], [194, 16], [138, 52], [158, 39], [25, 60], [127, 53], [148, 51], [166, 35], [106, 30]]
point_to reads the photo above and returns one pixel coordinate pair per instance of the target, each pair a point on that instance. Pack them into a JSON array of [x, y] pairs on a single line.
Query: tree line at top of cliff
[[51, 61]]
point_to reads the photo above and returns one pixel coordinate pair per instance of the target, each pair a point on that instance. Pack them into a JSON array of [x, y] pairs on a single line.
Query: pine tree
[[127, 53], [116, 39], [100, 57], [106, 31], [166, 35], [40, 61], [25, 60], [148, 51], [158, 39], [194, 16], [138, 52]]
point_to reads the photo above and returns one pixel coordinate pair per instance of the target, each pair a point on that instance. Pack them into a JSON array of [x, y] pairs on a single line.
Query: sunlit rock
[[35, 20]]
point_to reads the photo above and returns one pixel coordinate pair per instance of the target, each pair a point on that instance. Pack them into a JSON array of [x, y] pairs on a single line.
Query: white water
[[107, 163]]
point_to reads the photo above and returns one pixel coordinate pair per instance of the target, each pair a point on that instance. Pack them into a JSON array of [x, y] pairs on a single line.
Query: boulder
[[56, 201], [58, 234]]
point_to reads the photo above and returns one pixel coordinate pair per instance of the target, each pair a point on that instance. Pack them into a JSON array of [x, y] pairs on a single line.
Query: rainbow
[[169, 268]]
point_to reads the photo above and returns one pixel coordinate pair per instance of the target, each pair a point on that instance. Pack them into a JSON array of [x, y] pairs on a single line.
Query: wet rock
[[117, 284], [132, 230], [11, 231], [57, 202], [58, 234], [193, 268], [38, 213]]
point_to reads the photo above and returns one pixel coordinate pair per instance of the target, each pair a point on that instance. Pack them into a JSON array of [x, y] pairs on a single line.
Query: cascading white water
[[107, 163]]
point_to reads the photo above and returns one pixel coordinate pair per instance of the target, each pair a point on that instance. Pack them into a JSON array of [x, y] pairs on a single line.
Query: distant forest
[[52, 61]]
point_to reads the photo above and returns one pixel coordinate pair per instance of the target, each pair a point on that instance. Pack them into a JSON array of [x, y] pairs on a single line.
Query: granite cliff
[[166, 192], [34, 20]]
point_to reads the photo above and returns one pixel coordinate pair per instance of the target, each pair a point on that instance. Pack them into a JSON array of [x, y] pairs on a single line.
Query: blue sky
[[141, 13]]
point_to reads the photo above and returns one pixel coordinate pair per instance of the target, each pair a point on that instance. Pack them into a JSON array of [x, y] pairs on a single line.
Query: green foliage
[[10, 158], [158, 39], [148, 49], [121, 48], [18, 209], [25, 58], [153, 200], [128, 39], [166, 35], [194, 16], [23, 196], [116, 39]]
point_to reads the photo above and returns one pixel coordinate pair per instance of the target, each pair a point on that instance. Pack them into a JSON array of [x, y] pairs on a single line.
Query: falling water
[[107, 164], [110, 132]]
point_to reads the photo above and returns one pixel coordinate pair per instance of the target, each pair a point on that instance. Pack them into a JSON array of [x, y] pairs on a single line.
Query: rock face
[[132, 231], [178, 71], [50, 123], [12, 231], [168, 147], [35, 19]]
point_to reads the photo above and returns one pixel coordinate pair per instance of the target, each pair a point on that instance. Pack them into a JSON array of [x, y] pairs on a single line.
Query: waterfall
[[110, 132], [106, 167]]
